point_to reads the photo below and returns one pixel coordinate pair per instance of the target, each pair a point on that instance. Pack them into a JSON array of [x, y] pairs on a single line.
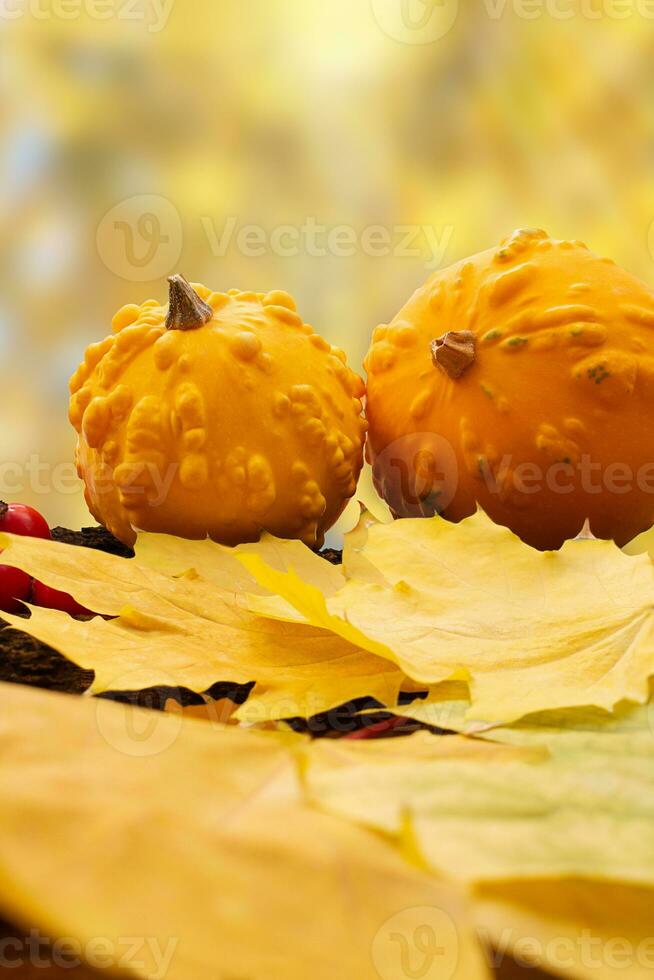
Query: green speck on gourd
[[486, 390], [516, 341], [598, 373], [493, 334]]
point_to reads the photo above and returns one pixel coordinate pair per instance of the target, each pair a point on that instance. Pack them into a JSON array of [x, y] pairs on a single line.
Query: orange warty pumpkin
[[522, 380], [219, 414]]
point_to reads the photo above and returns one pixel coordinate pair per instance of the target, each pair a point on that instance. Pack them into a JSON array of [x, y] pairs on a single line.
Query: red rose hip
[[15, 585], [43, 595], [21, 519]]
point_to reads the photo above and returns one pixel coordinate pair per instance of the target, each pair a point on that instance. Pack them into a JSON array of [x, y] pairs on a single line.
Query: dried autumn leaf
[[527, 630], [579, 803], [189, 632], [116, 821]]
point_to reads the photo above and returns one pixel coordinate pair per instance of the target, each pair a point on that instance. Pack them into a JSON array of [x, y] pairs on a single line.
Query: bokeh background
[[218, 137]]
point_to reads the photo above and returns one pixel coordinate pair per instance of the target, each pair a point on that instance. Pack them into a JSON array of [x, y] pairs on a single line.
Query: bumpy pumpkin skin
[[250, 422], [562, 380]]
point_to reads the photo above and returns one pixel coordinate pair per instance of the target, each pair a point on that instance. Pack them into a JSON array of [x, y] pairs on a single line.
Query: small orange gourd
[[219, 414], [521, 379]]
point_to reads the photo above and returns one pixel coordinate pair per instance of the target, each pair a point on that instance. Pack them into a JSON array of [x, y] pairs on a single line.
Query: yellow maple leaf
[[219, 565], [120, 822], [579, 801], [527, 630], [191, 632]]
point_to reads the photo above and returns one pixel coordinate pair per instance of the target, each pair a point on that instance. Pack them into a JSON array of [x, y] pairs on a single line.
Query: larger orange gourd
[[220, 414], [521, 379]]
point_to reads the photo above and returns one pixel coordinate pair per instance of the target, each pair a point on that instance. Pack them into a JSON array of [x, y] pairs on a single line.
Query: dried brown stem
[[186, 310], [454, 352]]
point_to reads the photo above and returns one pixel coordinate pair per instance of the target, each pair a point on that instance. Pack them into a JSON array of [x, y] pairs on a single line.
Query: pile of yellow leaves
[[238, 851]]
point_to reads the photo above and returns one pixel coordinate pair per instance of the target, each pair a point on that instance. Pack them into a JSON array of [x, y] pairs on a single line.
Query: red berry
[[21, 519], [14, 586], [43, 595]]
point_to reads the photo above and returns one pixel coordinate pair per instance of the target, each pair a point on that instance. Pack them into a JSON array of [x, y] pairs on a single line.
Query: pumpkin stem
[[3, 509], [454, 352], [186, 310]]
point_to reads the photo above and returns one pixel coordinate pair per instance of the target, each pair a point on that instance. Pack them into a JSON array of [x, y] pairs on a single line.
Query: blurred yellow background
[[340, 150]]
